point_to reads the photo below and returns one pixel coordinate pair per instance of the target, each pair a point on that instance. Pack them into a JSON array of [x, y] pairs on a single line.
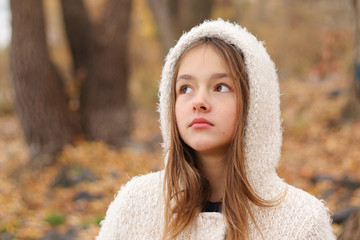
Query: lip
[[200, 123]]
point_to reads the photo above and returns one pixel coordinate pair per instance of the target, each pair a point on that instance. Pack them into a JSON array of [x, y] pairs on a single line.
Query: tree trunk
[[39, 96], [165, 29], [352, 110], [104, 98], [78, 28], [357, 55], [190, 13], [173, 17]]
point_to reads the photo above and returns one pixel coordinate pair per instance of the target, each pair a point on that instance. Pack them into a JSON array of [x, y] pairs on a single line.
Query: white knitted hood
[[263, 133]]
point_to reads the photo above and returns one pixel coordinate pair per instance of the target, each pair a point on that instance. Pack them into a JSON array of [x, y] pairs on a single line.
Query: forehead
[[201, 56]]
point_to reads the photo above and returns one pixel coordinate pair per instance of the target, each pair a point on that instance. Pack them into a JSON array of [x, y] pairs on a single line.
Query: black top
[[212, 207]]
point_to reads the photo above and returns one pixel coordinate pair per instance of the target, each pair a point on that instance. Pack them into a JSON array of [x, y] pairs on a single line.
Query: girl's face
[[206, 102]]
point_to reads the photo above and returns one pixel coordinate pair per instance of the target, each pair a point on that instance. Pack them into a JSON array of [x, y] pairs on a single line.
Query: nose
[[200, 104]]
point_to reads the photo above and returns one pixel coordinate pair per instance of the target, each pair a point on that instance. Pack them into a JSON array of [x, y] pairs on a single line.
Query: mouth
[[200, 123]]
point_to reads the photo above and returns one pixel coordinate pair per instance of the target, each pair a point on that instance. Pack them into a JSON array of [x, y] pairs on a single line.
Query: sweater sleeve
[[318, 225], [136, 210], [112, 224]]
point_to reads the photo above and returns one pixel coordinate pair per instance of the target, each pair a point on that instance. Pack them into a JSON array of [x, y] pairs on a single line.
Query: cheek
[[179, 119], [180, 109], [178, 114], [231, 118]]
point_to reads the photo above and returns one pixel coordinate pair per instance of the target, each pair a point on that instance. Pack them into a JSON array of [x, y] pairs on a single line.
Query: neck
[[213, 168]]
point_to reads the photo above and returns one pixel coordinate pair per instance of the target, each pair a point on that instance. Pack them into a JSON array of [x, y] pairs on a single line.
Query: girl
[[220, 121]]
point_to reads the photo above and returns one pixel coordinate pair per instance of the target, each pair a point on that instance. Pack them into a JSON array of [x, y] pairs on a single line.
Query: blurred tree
[[352, 110], [172, 17], [99, 53], [41, 103], [78, 27]]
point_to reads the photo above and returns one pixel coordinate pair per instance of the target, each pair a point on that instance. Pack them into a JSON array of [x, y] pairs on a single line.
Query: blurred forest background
[[78, 98]]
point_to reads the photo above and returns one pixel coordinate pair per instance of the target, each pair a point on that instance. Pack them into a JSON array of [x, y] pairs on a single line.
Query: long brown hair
[[185, 188]]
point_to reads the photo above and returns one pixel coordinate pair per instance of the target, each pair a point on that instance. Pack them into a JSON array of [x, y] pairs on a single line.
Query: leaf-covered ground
[[70, 198]]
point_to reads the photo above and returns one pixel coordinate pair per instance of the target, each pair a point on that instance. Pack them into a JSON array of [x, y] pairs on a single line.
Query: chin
[[200, 146], [209, 149]]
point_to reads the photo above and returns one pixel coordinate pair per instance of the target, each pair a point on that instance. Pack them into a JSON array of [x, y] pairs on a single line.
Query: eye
[[222, 88], [185, 89]]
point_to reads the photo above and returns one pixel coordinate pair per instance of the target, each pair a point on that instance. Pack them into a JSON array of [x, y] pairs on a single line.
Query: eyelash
[[182, 88], [223, 84]]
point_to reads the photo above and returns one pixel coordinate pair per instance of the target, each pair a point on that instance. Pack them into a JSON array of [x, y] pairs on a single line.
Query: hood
[[263, 132]]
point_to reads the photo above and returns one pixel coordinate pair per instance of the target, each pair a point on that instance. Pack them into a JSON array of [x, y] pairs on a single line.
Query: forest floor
[[68, 200]]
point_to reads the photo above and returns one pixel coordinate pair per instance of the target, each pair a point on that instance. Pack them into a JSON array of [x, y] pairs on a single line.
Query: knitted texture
[[137, 211]]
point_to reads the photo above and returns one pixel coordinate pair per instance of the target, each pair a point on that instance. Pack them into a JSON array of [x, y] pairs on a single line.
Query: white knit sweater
[[137, 211]]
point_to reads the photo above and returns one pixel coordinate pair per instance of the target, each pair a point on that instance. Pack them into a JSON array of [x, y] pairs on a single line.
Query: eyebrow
[[213, 76]]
